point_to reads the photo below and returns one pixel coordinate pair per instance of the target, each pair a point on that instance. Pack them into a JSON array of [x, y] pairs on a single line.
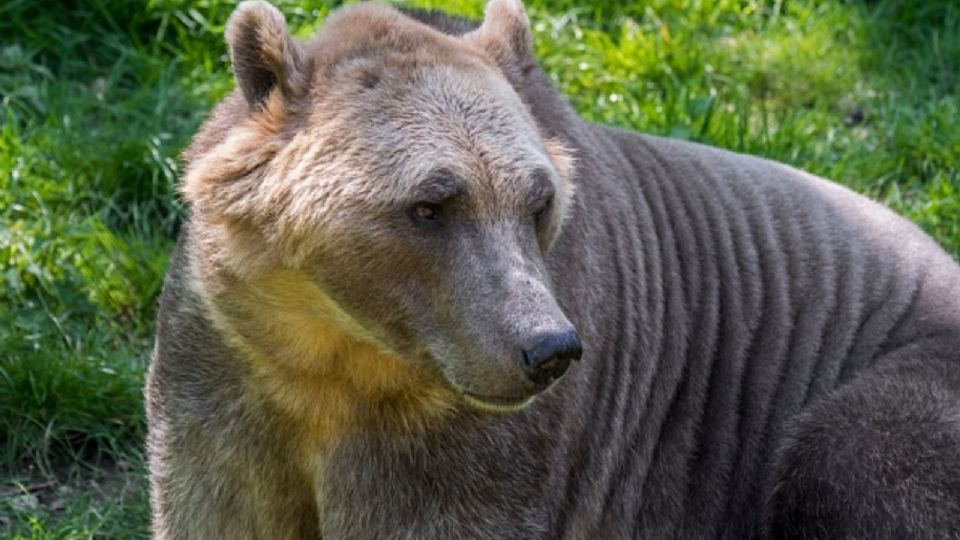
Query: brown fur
[[327, 356], [276, 182], [245, 173]]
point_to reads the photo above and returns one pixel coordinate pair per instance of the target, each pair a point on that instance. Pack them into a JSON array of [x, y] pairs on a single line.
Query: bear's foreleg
[[207, 484]]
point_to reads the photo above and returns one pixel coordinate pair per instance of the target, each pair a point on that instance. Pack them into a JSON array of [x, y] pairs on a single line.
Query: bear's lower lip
[[496, 403]]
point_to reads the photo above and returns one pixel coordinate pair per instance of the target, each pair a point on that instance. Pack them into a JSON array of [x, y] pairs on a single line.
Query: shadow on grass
[[96, 104], [918, 37], [911, 49]]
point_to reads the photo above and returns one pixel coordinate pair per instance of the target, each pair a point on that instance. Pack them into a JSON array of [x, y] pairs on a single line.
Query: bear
[[416, 296]]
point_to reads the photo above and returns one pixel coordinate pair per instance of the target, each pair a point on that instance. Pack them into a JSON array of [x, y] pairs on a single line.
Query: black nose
[[550, 357]]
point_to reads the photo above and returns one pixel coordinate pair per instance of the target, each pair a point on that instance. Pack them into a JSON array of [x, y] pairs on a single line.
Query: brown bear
[[418, 297]]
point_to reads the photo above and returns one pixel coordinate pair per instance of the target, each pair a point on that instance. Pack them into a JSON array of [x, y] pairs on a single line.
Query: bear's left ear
[[505, 35], [263, 53]]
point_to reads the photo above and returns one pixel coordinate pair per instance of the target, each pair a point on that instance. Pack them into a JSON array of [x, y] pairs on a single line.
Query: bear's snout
[[550, 356]]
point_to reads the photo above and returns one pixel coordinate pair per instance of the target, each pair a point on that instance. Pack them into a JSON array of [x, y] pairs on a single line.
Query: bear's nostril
[[550, 357]]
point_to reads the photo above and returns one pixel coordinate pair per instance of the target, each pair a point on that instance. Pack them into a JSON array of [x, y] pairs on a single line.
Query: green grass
[[98, 97]]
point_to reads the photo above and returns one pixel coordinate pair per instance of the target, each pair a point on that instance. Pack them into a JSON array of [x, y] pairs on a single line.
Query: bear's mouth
[[496, 403]]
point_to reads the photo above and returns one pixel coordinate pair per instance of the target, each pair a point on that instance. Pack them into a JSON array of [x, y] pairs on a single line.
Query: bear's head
[[384, 184]]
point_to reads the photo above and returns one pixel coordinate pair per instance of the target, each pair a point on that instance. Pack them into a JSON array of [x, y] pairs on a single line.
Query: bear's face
[[396, 171]]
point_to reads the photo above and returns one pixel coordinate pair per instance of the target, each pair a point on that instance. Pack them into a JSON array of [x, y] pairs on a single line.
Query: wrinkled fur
[[766, 354]]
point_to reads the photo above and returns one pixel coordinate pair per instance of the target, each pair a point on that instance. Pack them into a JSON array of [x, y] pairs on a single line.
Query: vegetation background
[[99, 96]]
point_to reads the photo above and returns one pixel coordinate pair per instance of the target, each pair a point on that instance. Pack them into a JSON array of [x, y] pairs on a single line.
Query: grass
[[97, 98]]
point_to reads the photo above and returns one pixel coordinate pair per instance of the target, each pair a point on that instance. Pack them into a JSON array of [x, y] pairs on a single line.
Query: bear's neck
[[303, 358]]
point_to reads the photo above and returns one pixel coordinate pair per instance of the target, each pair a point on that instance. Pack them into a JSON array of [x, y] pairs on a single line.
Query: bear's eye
[[542, 211], [541, 195], [426, 213]]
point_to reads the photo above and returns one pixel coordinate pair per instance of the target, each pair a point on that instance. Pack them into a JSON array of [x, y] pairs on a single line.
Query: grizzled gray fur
[[764, 354]]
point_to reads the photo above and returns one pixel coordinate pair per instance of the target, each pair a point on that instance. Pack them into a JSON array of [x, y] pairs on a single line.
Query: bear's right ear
[[264, 55], [506, 36]]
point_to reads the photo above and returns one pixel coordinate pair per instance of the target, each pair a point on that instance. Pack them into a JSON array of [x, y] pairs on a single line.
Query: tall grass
[[97, 98]]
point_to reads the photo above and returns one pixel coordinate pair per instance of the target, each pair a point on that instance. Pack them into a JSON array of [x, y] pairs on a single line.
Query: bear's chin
[[496, 404]]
